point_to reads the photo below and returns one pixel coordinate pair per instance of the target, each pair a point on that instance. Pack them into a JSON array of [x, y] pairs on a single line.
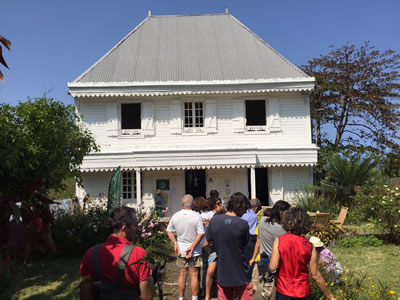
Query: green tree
[[345, 173], [42, 142], [357, 93]]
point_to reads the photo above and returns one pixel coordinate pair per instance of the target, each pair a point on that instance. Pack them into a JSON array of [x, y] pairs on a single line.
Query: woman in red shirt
[[295, 257]]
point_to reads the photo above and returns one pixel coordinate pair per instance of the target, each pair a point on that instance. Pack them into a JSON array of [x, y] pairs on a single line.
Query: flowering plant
[[151, 227], [9, 268]]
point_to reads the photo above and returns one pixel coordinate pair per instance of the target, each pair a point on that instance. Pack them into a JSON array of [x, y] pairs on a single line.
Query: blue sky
[[54, 41]]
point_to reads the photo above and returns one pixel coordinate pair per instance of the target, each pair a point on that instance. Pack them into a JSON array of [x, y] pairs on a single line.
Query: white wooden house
[[189, 104]]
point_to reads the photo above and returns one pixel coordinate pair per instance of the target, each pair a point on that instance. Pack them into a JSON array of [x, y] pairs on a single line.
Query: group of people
[[228, 243], [236, 240]]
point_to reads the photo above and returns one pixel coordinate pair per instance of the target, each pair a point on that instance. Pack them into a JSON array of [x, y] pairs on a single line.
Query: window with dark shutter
[[131, 116]]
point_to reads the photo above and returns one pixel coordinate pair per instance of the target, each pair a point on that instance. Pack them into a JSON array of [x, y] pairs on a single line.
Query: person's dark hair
[[296, 221], [267, 214], [121, 216], [279, 206], [220, 212], [200, 204], [214, 194], [212, 202], [238, 203]]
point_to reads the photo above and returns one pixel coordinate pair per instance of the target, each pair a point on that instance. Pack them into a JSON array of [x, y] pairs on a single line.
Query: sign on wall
[[162, 184]]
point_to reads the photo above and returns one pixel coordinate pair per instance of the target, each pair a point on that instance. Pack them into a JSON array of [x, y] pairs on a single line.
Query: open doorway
[[261, 185], [195, 183]]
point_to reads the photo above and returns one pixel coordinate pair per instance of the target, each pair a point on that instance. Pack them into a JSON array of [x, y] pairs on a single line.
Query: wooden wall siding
[[294, 122], [294, 180]]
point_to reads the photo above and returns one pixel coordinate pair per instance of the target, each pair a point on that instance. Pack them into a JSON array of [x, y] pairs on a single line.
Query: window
[[255, 115], [131, 122], [128, 185], [194, 117]]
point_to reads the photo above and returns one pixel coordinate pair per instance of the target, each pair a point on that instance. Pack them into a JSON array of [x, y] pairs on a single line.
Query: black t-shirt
[[229, 235]]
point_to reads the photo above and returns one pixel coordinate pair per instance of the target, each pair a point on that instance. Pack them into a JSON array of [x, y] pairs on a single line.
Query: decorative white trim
[[254, 128], [193, 130], [127, 132], [198, 167]]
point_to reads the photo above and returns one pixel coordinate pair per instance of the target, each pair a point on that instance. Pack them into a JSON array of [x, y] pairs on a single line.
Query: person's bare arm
[[171, 236], [147, 289], [189, 251], [85, 288], [256, 251], [316, 275], [274, 262]]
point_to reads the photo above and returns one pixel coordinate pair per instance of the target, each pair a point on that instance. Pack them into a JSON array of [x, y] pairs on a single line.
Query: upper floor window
[[194, 117], [131, 121], [256, 115]]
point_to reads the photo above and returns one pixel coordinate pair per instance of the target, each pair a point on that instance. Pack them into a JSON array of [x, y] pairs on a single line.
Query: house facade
[[189, 104]]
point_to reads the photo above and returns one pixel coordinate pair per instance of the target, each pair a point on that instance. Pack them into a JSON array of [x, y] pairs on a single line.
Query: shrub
[[382, 205], [151, 228], [328, 233], [10, 267], [311, 199], [359, 241], [74, 234]]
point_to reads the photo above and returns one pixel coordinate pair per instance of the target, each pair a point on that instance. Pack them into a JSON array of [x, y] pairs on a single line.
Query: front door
[[195, 182], [261, 184]]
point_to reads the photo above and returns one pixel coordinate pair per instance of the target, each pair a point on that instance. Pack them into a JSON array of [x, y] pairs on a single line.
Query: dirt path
[[170, 285]]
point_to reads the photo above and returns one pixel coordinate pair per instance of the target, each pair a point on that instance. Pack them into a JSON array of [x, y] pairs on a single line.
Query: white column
[[253, 182], [138, 188]]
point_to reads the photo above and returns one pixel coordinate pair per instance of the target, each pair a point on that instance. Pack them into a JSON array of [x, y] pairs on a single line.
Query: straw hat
[[316, 242]]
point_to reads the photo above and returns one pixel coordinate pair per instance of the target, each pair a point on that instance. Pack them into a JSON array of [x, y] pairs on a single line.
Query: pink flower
[[147, 217], [143, 230], [142, 235], [151, 225], [149, 234], [159, 231], [165, 210]]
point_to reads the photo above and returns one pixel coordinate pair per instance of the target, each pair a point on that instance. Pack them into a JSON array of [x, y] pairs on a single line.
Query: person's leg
[[280, 296], [209, 279], [182, 281], [225, 293], [254, 279], [204, 273], [194, 280]]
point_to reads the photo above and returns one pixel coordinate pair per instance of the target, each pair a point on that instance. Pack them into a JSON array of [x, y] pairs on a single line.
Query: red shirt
[[295, 255], [137, 270]]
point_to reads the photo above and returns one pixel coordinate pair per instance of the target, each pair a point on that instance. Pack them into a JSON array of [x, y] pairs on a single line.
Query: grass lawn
[[57, 278], [379, 263]]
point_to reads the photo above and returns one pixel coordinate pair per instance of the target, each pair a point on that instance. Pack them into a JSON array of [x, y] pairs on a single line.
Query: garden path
[[170, 285]]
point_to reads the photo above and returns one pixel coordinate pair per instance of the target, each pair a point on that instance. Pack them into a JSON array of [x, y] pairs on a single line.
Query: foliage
[[151, 230], [359, 241], [9, 270], [41, 144], [74, 234], [357, 93], [382, 205], [328, 233], [311, 199], [68, 192], [41, 139], [6, 44], [345, 173]]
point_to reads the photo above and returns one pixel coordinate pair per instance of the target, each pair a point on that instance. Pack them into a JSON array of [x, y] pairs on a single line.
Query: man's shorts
[[193, 262], [212, 257]]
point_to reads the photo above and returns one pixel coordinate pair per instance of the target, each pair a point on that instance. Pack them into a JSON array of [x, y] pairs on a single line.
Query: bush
[[74, 234], [10, 267], [151, 228], [328, 233], [381, 205], [359, 241], [311, 199]]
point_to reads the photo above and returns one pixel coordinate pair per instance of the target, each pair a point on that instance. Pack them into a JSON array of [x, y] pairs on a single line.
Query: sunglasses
[[218, 203]]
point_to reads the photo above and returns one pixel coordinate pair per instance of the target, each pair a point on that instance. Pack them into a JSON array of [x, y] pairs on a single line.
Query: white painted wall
[[100, 115], [294, 181]]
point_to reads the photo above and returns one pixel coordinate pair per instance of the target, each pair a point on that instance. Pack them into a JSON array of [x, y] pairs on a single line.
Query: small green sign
[[162, 184]]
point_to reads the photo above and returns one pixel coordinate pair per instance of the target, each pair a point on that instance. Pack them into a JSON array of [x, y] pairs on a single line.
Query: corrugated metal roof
[[190, 48]]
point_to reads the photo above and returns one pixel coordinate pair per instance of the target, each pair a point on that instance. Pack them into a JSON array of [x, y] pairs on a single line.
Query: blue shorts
[[212, 257]]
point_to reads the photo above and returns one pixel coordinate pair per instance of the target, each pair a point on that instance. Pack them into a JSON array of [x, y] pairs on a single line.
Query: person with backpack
[[116, 269]]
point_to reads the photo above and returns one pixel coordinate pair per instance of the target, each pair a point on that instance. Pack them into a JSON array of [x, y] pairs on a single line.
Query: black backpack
[[113, 289]]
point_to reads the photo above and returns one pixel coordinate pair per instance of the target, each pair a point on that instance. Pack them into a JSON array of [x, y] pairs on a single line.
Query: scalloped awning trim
[[198, 167]]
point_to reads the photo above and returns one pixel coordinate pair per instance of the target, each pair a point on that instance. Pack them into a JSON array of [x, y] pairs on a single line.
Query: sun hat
[[316, 242]]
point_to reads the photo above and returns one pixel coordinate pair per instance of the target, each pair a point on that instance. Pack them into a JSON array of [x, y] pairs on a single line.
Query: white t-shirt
[[187, 224]]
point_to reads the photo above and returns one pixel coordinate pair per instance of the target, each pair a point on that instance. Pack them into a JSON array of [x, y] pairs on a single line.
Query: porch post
[[253, 182], [138, 188]]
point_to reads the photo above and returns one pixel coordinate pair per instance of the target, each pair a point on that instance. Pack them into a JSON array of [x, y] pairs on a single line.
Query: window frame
[[130, 132], [194, 129], [256, 129], [132, 186]]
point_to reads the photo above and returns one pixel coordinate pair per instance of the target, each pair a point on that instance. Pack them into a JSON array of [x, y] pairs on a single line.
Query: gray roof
[[190, 48]]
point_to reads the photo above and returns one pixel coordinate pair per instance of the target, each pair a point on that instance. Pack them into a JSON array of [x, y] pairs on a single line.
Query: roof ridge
[[269, 46], [190, 15], [112, 49]]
